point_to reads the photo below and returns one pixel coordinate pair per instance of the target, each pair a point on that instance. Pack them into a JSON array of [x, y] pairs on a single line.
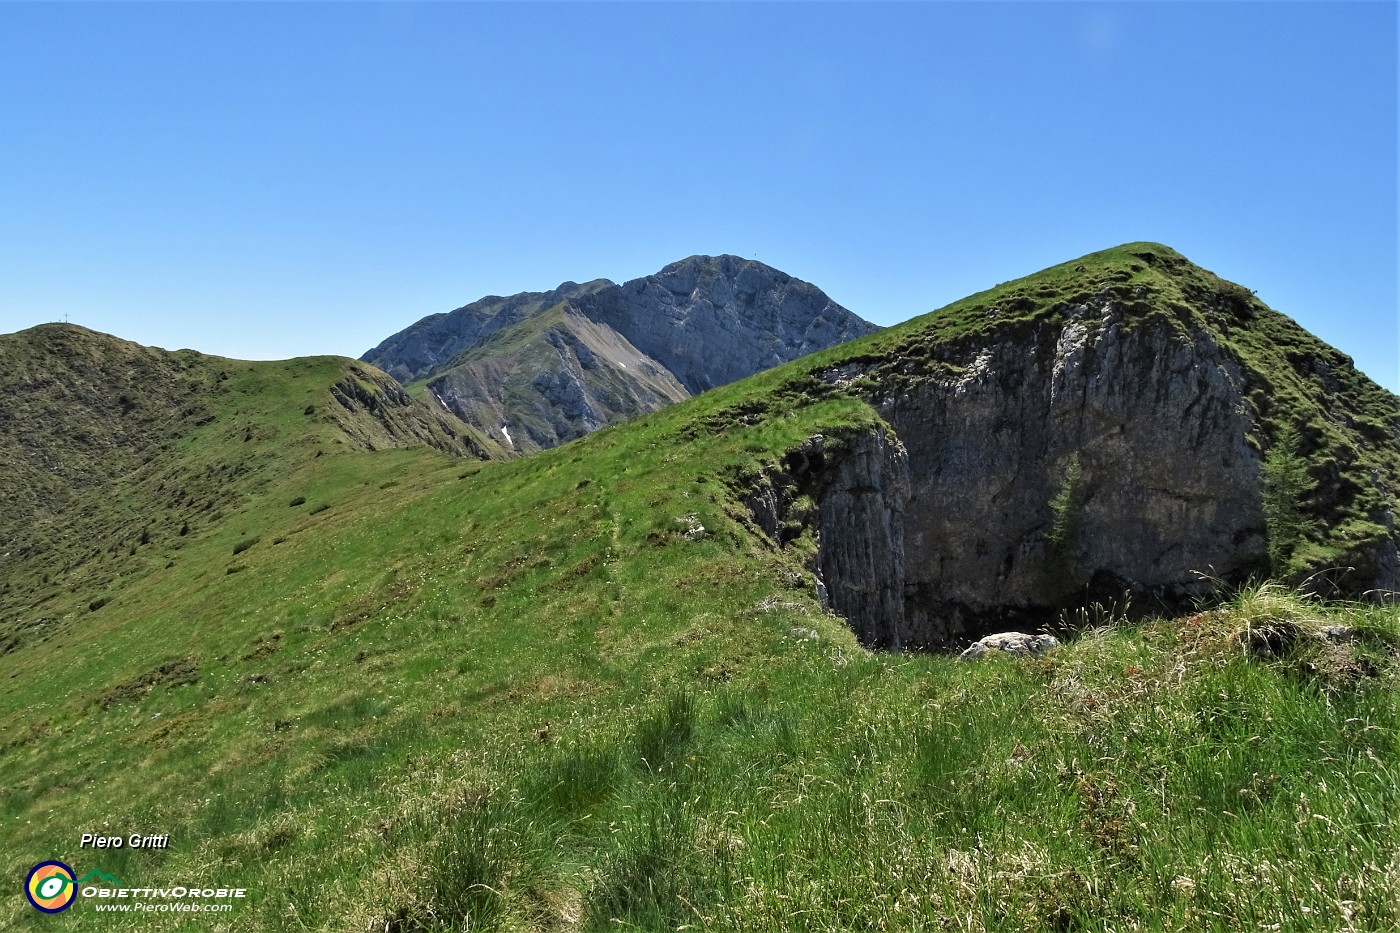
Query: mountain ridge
[[700, 322], [111, 447]]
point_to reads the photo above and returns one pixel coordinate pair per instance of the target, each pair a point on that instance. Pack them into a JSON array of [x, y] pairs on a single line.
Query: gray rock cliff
[[1112, 449], [945, 528], [1151, 431], [712, 320]]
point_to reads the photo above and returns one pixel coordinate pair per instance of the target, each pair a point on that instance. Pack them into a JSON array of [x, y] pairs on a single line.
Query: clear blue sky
[[267, 180]]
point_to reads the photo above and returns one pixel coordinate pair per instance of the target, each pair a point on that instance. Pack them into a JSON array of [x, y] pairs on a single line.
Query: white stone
[[1018, 643]]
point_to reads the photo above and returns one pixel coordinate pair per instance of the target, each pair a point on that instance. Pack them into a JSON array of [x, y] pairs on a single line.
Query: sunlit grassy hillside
[[398, 690]]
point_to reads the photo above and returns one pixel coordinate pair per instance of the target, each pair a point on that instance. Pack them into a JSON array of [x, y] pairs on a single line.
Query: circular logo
[[50, 887]]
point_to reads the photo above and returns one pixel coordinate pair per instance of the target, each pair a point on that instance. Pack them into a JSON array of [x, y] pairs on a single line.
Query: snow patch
[[506, 431], [440, 401]]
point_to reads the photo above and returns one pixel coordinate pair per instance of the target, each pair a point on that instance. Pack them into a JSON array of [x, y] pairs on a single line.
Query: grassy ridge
[[116, 455], [289, 676], [394, 690]]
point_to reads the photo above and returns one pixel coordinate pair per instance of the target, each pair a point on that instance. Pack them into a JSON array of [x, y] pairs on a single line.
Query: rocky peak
[[685, 276], [714, 319], [558, 364]]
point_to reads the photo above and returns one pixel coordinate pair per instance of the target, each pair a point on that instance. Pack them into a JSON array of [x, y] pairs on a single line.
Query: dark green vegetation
[[577, 690], [1066, 504], [1286, 486]]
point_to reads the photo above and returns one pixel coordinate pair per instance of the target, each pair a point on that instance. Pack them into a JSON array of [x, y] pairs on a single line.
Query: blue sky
[[270, 180]]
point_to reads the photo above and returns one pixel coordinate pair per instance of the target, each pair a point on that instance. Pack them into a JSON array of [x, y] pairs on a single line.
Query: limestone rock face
[[863, 520], [1123, 434], [1064, 465], [1140, 435], [712, 320], [538, 369]]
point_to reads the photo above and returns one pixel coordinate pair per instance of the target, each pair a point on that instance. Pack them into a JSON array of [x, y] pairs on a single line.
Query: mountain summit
[[538, 369]]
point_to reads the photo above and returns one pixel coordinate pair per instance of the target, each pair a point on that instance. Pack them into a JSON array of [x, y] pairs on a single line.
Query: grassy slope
[[116, 454], [531, 694]]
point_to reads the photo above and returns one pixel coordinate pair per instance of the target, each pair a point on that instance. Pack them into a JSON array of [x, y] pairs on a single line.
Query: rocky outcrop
[[1014, 643], [1080, 463], [1083, 463], [541, 368], [1111, 450], [374, 412]]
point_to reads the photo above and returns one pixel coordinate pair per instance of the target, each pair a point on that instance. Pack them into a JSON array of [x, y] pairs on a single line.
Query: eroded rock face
[[1141, 437], [1067, 464], [712, 320], [863, 521]]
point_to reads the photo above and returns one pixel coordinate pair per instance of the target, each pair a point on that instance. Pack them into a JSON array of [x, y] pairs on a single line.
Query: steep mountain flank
[[554, 377], [111, 449], [431, 345], [712, 320], [1123, 429], [537, 369]]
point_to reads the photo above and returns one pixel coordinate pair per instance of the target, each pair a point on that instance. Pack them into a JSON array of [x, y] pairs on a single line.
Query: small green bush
[[1286, 484]]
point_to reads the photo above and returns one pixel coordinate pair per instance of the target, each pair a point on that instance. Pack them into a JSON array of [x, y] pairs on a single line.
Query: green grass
[[441, 694], [1159, 775]]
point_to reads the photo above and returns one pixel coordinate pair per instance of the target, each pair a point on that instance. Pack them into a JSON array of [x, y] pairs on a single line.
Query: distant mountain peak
[[700, 322]]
